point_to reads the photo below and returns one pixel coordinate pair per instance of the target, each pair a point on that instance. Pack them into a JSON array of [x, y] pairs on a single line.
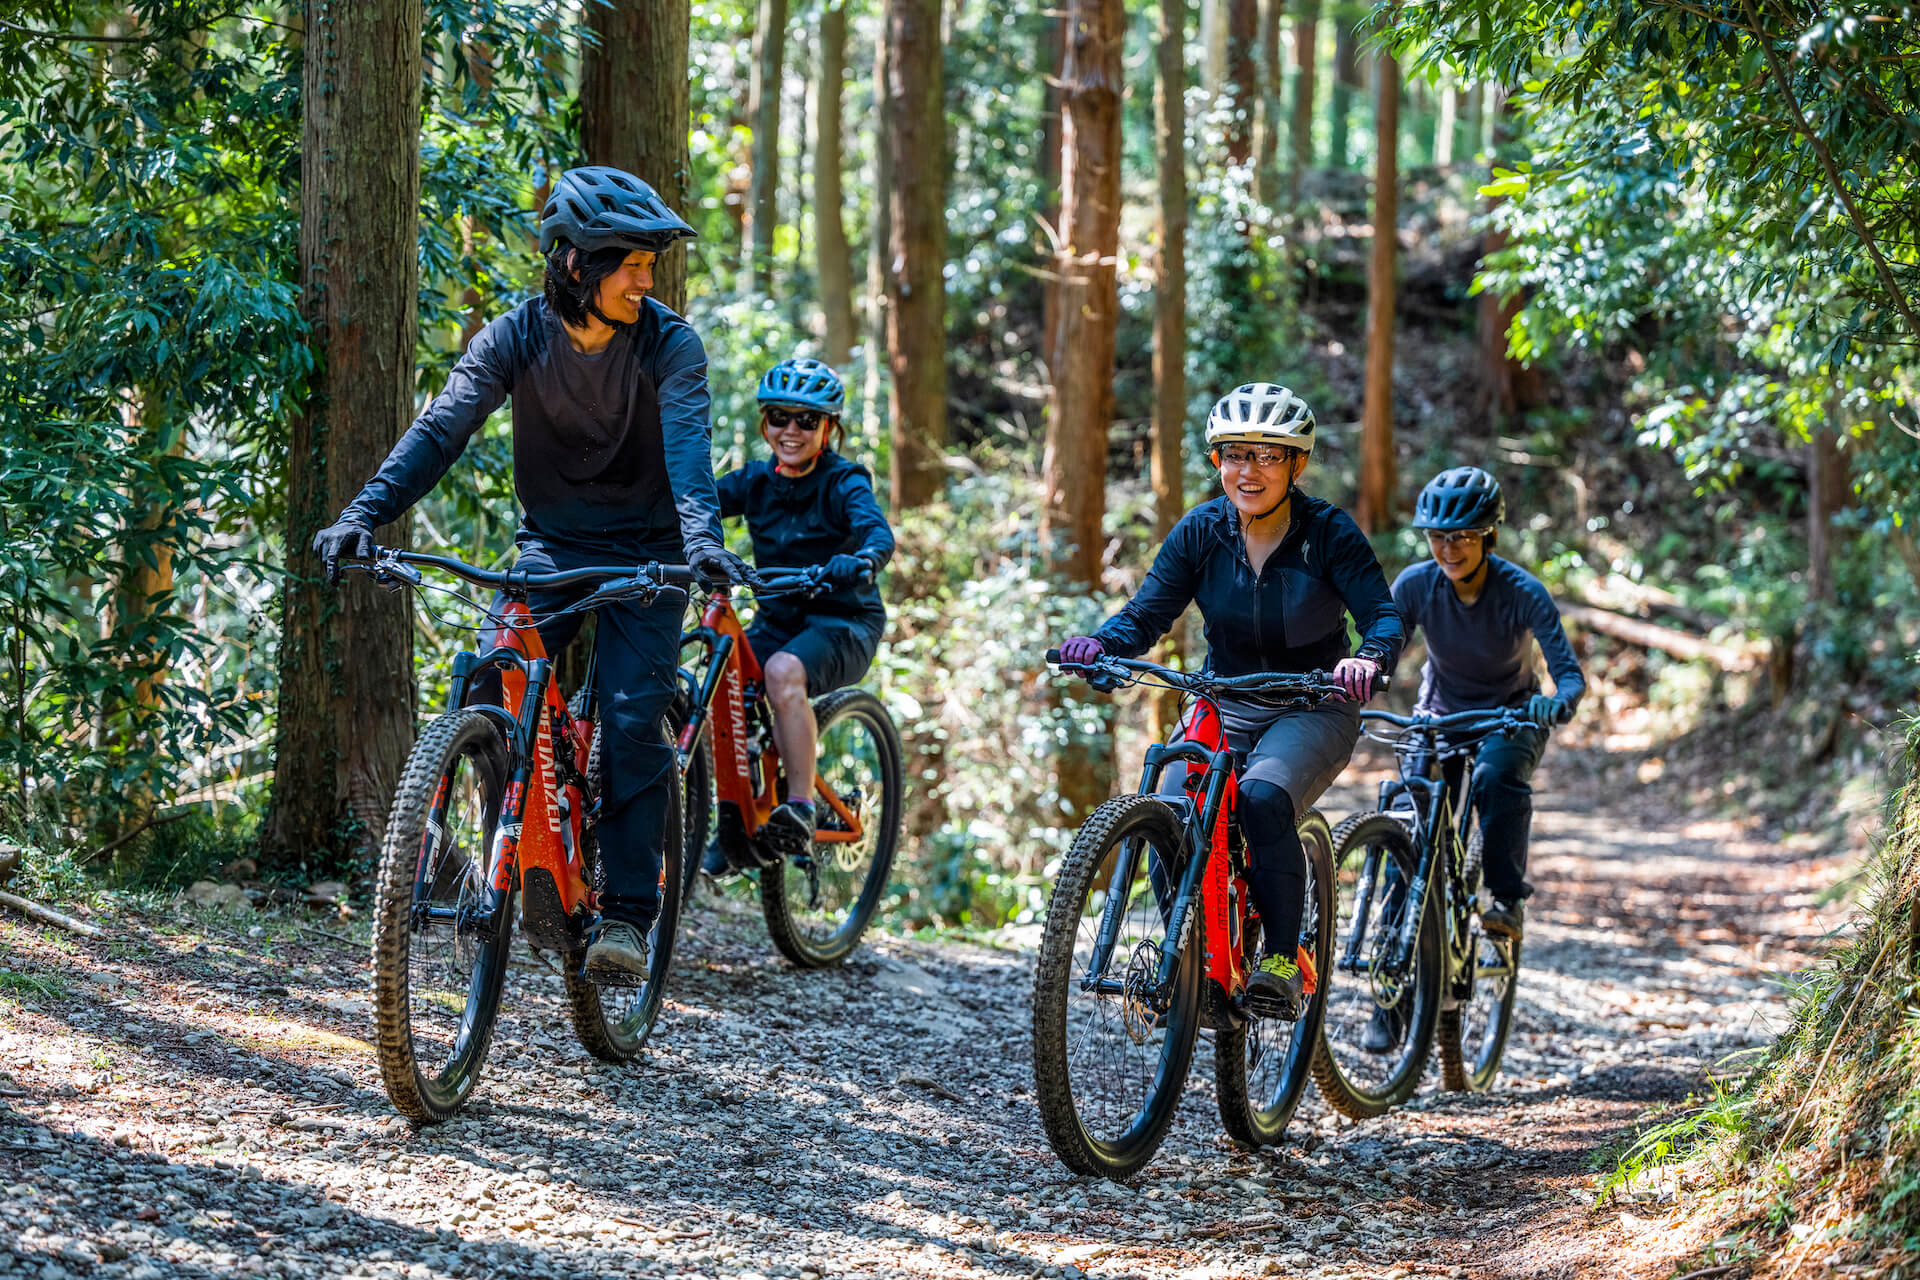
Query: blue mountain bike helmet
[[1460, 498], [599, 207], [803, 384]]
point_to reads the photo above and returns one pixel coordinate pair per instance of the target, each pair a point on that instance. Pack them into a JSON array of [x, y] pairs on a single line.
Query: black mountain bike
[[1151, 936], [1409, 883]]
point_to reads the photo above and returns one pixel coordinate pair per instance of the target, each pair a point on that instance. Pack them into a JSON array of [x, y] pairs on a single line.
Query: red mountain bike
[[817, 901], [1151, 935], [494, 817]]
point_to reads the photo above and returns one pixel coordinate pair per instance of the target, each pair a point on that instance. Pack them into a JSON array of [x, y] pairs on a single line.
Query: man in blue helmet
[[1483, 615], [612, 464], [806, 506]]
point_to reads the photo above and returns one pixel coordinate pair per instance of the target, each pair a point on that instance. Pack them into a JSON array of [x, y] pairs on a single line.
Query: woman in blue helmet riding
[[808, 506]]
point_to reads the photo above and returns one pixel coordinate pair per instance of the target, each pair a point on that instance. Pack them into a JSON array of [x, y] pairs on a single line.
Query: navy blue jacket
[[1481, 654], [612, 452], [800, 521], [1291, 616]]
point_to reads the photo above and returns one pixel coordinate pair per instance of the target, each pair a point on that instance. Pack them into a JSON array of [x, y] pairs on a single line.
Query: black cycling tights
[[1276, 865]]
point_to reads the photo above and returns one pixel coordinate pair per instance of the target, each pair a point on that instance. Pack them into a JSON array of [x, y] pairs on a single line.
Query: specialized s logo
[[737, 719], [543, 761]]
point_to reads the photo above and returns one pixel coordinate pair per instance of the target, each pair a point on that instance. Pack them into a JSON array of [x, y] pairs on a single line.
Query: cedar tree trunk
[[913, 119]]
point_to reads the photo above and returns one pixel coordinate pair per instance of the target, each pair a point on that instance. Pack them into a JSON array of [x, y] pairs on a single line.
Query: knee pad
[[1266, 804]]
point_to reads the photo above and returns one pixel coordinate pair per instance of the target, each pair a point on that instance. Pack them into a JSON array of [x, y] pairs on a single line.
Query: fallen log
[[48, 915], [1647, 635]]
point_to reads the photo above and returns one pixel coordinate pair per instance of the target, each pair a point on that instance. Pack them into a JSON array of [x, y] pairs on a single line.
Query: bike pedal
[[614, 978], [1255, 1005]]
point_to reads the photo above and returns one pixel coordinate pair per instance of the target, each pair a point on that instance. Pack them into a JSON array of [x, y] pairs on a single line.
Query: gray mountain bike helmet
[[603, 208], [1460, 498], [803, 384]]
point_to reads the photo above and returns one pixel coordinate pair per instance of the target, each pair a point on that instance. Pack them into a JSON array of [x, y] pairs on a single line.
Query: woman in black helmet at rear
[[612, 464], [807, 506], [1275, 572], [1483, 615]]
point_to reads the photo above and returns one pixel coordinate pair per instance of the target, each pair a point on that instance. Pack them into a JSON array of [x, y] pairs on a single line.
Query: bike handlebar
[[1282, 684], [1481, 720], [394, 562]]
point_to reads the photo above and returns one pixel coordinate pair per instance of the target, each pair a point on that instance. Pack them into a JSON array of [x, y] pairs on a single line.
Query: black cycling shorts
[[836, 652]]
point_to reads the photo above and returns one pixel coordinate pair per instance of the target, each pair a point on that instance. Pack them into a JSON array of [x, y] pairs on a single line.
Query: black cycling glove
[[1547, 711], [844, 571], [344, 539], [717, 569]]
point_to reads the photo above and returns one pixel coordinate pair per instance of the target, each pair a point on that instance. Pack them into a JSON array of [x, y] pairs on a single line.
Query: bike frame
[[537, 843], [733, 678], [1208, 882], [1439, 835]]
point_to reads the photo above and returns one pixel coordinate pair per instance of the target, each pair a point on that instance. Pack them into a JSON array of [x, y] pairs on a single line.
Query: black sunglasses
[[805, 419]]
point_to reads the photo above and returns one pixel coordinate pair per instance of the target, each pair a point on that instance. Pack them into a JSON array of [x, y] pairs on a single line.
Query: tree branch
[[1839, 185]]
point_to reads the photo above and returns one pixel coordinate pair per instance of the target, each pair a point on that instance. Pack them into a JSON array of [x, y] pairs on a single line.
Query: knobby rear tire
[[817, 948], [427, 1092], [1471, 1068], [1261, 1122], [1057, 980], [613, 1023], [1337, 1063]]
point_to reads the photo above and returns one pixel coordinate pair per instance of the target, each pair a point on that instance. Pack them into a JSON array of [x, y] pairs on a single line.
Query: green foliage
[[146, 301]]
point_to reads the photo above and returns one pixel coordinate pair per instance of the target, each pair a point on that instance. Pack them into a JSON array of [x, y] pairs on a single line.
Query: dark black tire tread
[[1054, 975], [786, 934], [1334, 1088], [438, 744], [1238, 1114]]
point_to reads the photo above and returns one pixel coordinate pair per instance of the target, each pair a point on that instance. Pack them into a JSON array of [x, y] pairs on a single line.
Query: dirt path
[[195, 1097]]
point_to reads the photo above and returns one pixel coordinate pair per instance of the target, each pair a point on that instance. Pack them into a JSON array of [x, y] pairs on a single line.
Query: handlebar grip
[[1053, 656]]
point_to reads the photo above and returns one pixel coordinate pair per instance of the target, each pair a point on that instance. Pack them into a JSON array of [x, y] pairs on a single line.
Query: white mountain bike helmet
[[1261, 413]]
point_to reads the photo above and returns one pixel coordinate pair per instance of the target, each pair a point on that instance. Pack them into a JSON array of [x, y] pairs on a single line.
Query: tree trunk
[[1170, 310], [1828, 489], [479, 58], [1507, 387], [763, 107], [345, 719], [830, 229], [1306, 43], [1266, 167], [634, 111], [1074, 465], [914, 121], [1374, 510], [1346, 78], [1471, 96], [1052, 51], [1243, 76], [1443, 128], [879, 244], [1213, 46]]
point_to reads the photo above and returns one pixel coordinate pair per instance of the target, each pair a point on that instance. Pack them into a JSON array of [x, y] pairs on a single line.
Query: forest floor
[[194, 1095]]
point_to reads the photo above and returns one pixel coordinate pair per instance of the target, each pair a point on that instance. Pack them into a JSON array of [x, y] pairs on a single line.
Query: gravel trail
[[195, 1096]]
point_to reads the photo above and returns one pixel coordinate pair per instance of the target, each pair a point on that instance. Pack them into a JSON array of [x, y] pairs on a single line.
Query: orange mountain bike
[[820, 900], [1151, 935], [494, 817]]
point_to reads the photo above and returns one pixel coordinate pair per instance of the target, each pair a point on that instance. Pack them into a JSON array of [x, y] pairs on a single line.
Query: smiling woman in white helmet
[[1275, 572]]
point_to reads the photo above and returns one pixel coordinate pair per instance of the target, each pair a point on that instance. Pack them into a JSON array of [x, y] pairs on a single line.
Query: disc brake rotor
[[1138, 1011]]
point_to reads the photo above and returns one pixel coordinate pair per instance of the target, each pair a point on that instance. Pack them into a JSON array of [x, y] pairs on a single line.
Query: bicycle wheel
[[696, 785], [818, 904], [1261, 1066], [1357, 1082], [612, 1023], [1472, 1035], [437, 972], [1108, 1066]]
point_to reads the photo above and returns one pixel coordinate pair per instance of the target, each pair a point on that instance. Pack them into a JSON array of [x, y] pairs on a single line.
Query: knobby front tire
[[1261, 1066], [437, 985], [1472, 1036], [613, 1023], [1108, 1075], [1356, 1083], [819, 904]]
